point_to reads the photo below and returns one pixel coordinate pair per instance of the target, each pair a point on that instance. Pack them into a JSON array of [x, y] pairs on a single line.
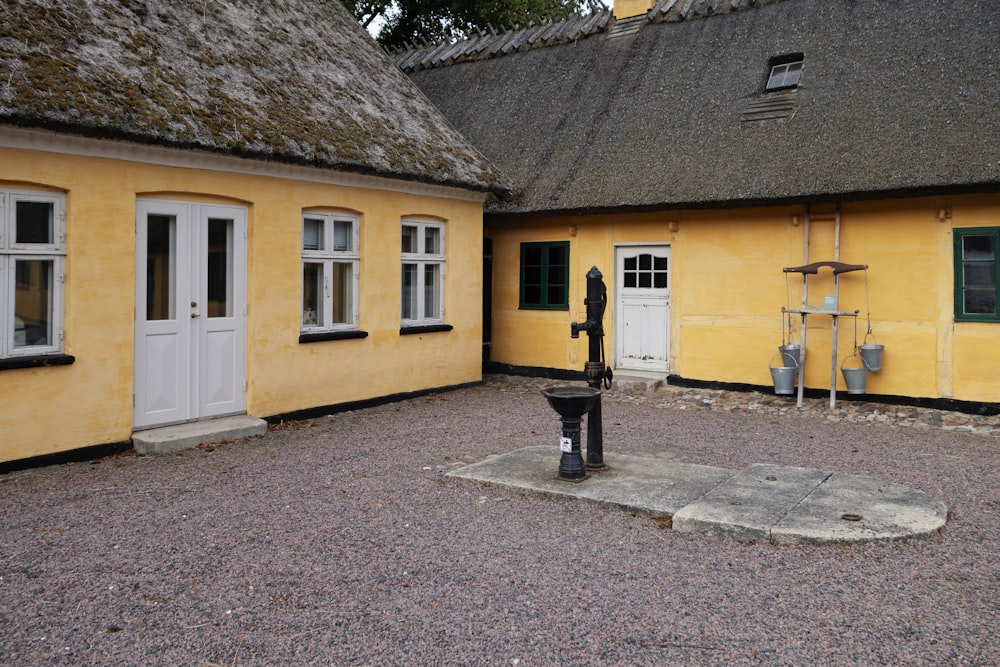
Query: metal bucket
[[789, 355], [783, 378], [871, 353], [856, 379]]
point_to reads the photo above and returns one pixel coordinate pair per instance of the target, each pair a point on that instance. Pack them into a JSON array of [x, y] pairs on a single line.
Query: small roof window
[[785, 73]]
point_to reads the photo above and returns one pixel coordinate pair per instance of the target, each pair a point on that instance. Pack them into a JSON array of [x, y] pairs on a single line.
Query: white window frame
[[327, 256], [11, 252], [422, 258], [785, 75]]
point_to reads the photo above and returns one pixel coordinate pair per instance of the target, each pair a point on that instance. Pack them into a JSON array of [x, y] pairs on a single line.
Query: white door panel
[[190, 294], [632, 330], [164, 381], [219, 390]]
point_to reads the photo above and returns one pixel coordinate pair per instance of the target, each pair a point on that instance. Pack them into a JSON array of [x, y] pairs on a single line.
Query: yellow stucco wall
[[52, 409], [728, 289]]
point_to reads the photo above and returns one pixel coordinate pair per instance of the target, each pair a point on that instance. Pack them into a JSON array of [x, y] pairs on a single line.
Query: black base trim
[[429, 328], [498, 368], [331, 335], [91, 453], [335, 408], [36, 361], [949, 404]]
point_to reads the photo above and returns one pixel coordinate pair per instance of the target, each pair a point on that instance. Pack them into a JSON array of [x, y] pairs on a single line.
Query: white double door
[[642, 334], [190, 315]]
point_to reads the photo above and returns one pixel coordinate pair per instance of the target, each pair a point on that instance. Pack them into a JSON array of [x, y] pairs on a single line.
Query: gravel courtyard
[[339, 541]]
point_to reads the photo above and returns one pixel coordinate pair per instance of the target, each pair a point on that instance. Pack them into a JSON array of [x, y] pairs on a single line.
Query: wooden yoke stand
[[806, 309]]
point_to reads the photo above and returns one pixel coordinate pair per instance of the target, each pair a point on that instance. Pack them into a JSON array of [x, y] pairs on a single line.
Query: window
[[545, 276], [423, 272], [645, 271], [785, 73], [329, 272], [32, 252], [977, 274]]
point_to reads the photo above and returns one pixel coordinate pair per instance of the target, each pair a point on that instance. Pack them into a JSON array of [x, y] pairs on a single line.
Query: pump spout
[[592, 327]]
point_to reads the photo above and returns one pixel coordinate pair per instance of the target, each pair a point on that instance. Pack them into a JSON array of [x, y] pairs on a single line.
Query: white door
[[190, 334], [642, 317]]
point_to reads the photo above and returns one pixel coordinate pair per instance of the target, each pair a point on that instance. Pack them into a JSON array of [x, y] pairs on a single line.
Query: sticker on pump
[[566, 444]]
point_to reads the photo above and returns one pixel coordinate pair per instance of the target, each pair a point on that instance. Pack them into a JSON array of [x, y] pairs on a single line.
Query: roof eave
[[912, 192], [499, 187]]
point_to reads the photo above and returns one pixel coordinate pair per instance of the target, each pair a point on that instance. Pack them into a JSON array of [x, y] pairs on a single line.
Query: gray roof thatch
[[493, 44], [896, 98], [295, 81]]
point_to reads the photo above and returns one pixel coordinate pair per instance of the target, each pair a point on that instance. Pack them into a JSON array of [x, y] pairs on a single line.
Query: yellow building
[[693, 151], [262, 226]]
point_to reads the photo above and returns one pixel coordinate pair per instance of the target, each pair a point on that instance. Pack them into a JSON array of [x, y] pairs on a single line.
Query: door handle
[[194, 304]]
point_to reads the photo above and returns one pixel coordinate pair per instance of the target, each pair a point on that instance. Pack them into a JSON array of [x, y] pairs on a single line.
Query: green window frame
[[544, 275], [977, 274]]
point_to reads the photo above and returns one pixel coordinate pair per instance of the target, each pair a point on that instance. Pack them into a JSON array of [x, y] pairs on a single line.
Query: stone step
[[631, 383], [169, 439]]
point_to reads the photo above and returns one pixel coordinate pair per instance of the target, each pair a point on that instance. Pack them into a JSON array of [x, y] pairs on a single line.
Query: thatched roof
[[295, 81], [896, 98]]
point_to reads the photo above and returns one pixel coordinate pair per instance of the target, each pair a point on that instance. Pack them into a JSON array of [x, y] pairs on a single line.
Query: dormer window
[[785, 73]]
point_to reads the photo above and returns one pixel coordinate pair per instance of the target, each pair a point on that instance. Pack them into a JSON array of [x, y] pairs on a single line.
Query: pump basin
[[571, 402]]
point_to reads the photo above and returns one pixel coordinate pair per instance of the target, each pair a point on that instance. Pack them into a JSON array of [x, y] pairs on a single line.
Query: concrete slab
[[654, 486], [887, 511], [178, 437], [765, 502], [750, 503]]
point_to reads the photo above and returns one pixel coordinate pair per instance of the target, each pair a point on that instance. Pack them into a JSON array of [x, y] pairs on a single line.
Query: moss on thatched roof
[[295, 81]]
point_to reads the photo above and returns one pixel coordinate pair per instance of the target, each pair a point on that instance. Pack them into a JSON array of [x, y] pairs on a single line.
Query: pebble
[[721, 400]]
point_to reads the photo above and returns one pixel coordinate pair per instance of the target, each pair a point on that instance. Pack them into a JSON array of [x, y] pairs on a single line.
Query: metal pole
[[595, 425], [571, 466]]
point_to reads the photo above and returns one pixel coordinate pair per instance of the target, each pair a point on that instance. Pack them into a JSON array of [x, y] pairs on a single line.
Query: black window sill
[[331, 335], [427, 328], [36, 361]]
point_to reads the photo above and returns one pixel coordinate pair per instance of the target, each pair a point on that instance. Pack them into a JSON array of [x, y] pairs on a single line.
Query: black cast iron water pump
[[595, 370]]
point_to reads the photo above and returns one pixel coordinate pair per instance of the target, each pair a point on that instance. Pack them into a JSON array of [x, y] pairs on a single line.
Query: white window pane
[[786, 75], [160, 267], [33, 302], [409, 240], [342, 241], [432, 241], [312, 294], [343, 289], [432, 302], [312, 234], [33, 222], [219, 269], [409, 294]]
